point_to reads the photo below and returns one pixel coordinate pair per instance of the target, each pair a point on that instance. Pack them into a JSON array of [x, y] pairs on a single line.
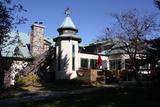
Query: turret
[[67, 49]]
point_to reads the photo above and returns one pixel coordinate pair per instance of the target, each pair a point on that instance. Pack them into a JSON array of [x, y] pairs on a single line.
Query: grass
[[128, 96], [14, 92], [65, 85], [59, 85]]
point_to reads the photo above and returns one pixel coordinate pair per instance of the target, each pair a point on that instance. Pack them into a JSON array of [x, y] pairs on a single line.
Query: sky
[[89, 16]]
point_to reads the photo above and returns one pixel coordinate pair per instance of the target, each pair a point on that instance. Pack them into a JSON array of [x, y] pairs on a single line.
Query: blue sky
[[89, 16]]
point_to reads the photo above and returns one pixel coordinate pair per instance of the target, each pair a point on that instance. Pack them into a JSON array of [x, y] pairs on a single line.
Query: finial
[[67, 12]]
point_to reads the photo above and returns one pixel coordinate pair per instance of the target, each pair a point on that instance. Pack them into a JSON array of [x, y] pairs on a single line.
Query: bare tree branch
[[132, 31]]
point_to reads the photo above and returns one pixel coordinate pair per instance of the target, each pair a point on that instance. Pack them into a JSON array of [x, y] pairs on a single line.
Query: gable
[[17, 40]]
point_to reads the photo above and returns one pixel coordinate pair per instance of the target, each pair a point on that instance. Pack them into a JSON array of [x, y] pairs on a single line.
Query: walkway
[[45, 95]]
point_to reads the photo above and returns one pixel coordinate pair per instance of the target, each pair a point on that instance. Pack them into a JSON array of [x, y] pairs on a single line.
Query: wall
[[91, 56], [37, 39], [10, 74], [65, 50]]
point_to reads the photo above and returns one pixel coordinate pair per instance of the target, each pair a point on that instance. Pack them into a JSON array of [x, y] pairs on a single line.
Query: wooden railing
[[38, 62], [92, 75]]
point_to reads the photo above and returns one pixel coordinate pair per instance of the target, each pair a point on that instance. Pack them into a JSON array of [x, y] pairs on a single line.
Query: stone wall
[[37, 39], [9, 75]]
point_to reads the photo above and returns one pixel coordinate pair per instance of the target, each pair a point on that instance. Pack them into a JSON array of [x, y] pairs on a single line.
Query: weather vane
[[67, 12]]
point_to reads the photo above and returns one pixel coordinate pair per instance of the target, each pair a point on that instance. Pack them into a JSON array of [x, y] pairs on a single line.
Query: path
[[45, 95]]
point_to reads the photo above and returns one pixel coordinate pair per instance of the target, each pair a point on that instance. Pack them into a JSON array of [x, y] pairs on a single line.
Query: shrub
[[30, 79]]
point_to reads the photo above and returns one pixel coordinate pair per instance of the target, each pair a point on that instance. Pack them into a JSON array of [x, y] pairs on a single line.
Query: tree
[[132, 30], [5, 24], [153, 51], [153, 57], [9, 19], [157, 3]]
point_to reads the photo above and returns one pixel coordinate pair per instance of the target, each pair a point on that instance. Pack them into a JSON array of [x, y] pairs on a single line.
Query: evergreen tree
[[9, 19]]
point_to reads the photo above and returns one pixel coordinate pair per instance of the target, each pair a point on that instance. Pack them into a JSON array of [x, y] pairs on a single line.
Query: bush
[[30, 79]]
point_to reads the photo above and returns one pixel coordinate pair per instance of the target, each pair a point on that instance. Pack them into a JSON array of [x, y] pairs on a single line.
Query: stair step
[[38, 62]]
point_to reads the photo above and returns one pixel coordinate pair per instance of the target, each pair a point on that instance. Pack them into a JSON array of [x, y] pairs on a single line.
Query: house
[[69, 58], [21, 49], [69, 54]]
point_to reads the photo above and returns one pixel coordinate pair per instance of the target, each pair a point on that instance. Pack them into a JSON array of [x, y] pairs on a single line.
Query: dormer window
[[65, 30], [68, 32]]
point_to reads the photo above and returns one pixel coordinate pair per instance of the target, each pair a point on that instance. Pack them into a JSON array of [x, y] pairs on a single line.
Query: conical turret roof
[[68, 23], [67, 30]]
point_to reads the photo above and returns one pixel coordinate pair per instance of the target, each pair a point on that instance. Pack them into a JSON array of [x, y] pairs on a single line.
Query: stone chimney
[[37, 38]]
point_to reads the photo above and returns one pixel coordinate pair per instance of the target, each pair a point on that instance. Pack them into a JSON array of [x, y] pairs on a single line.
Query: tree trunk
[[5, 72], [1, 77], [137, 77], [7, 79]]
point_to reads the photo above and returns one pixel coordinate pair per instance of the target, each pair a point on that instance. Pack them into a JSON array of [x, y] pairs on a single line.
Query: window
[[73, 57], [73, 50], [84, 63], [104, 64], [115, 64], [93, 63], [68, 32], [146, 66], [73, 63]]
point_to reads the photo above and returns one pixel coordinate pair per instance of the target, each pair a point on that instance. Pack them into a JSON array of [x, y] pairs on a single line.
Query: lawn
[[127, 96], [59, 85]]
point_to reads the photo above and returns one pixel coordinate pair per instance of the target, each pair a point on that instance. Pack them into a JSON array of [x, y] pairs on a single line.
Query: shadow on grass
[[109, 97], [58, 85], [66, 85], [12, 92], [131, 96]]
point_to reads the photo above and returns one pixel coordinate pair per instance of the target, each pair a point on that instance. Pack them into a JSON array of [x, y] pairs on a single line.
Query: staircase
[[38, 62]]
